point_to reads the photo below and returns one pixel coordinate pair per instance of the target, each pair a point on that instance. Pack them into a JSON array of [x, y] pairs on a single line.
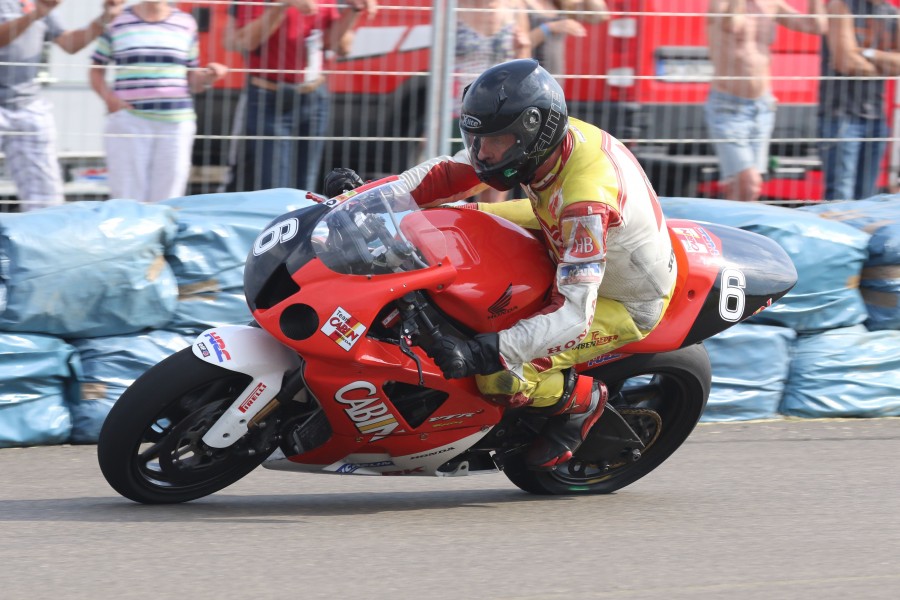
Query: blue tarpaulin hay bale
[[849, 372], [215, 234], [828, 257], [36, 374], [880, 285], [109, 366], [750, 369], [87, 269]]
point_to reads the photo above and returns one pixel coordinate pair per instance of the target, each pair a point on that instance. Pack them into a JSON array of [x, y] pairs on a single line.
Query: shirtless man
[[740, 108]]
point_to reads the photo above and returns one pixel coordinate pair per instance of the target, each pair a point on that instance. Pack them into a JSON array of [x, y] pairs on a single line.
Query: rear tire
[[150, 448], [663, 407]]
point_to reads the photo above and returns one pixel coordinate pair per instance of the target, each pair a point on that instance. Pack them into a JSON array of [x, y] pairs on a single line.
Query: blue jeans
[[290, 163], [851, 168]]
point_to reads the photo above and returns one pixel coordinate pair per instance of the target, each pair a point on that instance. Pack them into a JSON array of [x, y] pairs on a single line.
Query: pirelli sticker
[[343, 328]]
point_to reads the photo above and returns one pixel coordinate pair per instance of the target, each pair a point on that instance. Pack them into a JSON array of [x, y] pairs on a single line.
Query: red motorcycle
[[332, 376]]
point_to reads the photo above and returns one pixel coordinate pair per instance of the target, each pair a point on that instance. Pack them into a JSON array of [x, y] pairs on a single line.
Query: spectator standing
[[151, 123], [487, 33], [552, 21], [740, 108], [26, 118], [284, 44], [860, 49]]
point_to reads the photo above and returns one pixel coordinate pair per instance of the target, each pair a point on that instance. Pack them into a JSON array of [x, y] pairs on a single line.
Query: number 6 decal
[[731, 298], [278, 233]]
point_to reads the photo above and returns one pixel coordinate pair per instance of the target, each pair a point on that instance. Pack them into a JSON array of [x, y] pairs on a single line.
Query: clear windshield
[[376, 232]]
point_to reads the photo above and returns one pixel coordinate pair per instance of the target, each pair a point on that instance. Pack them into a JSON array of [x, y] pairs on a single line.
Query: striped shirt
[[152, 61]]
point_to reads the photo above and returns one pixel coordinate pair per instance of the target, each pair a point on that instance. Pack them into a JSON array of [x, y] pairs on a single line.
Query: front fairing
[[282, 248], [378, 231], [346, 269]]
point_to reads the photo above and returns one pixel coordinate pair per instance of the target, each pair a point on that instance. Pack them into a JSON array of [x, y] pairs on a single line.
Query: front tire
[[150, 448], [661, 396]]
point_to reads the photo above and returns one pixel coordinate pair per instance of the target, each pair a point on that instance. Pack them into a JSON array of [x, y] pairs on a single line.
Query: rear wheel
[[150, 448], [660, 396]]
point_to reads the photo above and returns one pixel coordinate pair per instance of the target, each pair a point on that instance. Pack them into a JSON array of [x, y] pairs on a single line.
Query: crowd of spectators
[[146, 70]]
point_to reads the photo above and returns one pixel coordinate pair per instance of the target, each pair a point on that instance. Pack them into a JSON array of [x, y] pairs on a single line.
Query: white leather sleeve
[[556, 331]]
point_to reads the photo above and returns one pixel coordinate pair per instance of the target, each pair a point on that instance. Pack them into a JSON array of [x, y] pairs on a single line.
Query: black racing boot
[[573, 416]]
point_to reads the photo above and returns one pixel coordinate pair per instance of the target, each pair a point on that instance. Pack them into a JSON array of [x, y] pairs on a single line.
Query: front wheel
[[660, 396], [150, 448]]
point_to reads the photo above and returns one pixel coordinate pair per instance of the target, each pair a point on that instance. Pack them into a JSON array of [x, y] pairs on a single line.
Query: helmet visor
[[504, 150]]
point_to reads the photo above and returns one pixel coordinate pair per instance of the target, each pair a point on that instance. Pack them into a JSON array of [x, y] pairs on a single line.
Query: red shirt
[[286, 47]]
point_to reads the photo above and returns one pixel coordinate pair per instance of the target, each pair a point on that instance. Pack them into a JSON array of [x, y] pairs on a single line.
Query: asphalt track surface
[[787, 509]]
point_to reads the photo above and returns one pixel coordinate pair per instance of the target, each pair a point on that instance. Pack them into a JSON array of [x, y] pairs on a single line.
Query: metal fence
[[643, 74]]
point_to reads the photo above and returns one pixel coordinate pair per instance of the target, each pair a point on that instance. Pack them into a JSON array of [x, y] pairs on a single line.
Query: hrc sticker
[[343, 328], [218, 346], [696, 240]]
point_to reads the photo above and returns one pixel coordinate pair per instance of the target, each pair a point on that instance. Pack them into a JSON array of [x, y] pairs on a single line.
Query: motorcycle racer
[[600, 219]]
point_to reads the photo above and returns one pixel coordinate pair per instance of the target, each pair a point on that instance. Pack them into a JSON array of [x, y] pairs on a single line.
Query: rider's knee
[[502, 388]]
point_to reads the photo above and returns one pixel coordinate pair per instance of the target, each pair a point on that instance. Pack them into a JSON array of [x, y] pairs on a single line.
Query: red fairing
[[697, 272], [521, 272]]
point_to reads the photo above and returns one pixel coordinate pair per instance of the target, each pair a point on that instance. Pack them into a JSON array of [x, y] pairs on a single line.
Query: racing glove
[[458, 358], [341, 180]]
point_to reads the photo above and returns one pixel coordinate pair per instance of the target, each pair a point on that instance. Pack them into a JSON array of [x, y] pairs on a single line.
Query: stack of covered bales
[[94, 293]]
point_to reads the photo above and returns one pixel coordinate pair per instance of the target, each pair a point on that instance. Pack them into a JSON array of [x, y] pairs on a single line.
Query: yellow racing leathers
[[604, 227]]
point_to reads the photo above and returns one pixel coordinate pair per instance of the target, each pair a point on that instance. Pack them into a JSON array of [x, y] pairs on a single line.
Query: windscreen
[[376, 232]]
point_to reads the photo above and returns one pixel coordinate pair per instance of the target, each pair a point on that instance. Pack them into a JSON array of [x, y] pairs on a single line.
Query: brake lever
[[405, 349]]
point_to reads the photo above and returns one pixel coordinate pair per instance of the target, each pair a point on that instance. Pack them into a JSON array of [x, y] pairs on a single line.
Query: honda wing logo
[[501, 306]]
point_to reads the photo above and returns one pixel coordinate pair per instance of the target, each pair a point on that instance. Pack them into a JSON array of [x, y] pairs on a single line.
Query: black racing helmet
[[520, 100]]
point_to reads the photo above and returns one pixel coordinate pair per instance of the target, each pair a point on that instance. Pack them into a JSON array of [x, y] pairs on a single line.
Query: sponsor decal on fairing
[[501, 306], [763, 307], [369, 413], [347, 468], [218, 346], [710, 244], [416, 471], [451, 420], [391, 319], [250, 399], [457, 416], [343, 329], [433, 453], [696, 240]]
